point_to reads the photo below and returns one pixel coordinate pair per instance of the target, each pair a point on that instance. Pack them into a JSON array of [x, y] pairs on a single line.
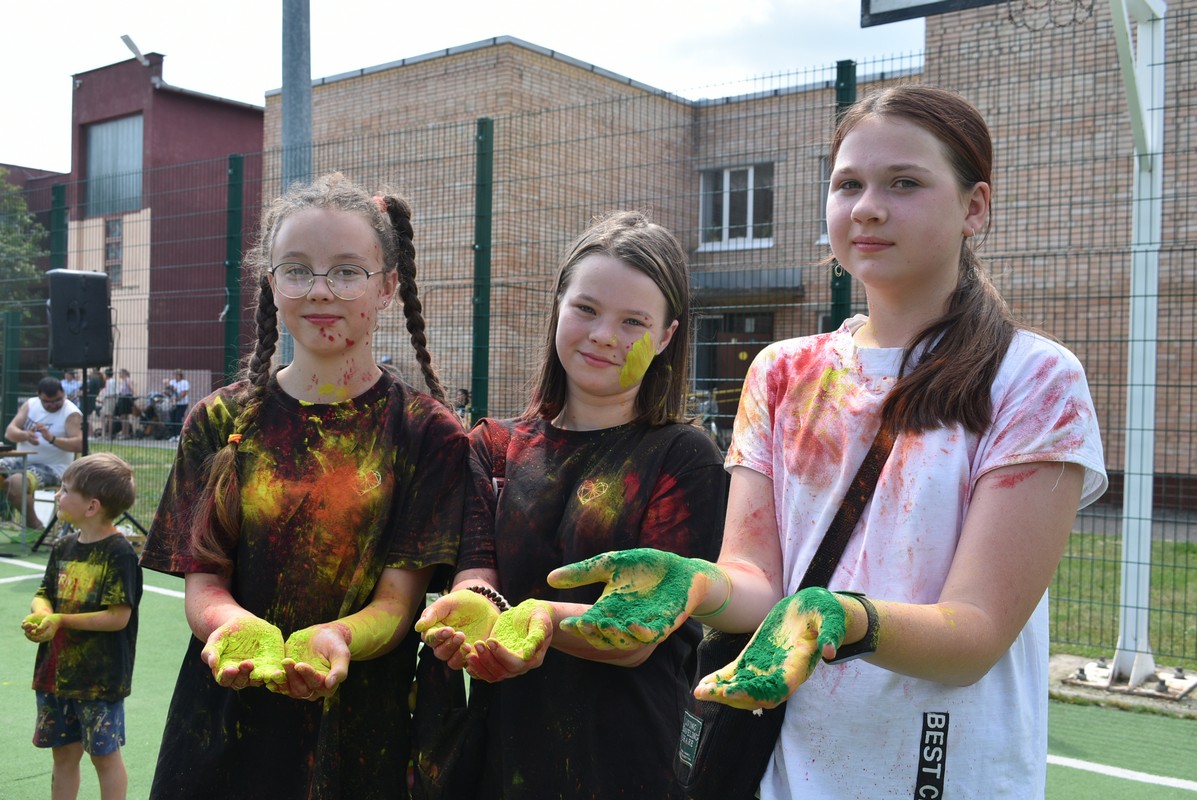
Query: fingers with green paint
[[246, 651], [649, 593], [782, 653]]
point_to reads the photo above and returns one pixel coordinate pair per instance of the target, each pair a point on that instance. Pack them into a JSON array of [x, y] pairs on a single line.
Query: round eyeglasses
[[346, 281]]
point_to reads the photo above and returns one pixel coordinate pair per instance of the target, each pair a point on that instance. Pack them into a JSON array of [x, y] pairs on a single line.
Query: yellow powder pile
[[514, 630]]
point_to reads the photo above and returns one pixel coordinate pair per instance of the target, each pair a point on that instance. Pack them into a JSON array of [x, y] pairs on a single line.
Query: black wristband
[[490, 594], [55, 439], [866, 646]]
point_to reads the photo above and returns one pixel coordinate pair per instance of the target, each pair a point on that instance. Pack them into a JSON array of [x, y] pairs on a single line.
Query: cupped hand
[[41, 627], [649, 594], [781, 655], [518, 643], [455, 623], [246, 651], [316, 661]]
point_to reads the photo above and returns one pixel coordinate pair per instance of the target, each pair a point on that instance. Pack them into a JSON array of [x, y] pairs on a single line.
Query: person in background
[[461, 407], [181, 399], [50, 428], [71, 385], [923, 671], [307, 510], [602, 457], [125, 395], [84, 619]]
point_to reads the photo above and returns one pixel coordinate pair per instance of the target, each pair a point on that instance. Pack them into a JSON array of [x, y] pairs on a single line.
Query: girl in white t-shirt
[[995, 448]]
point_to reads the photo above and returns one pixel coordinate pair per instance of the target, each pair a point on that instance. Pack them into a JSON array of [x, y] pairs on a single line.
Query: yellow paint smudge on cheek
[[637, 362]]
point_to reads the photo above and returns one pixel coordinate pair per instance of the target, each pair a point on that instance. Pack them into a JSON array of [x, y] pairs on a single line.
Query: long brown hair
[[631, 238], [962, 350], [217, 522]]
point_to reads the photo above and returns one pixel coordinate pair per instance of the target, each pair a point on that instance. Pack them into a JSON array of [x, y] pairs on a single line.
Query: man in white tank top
[[48, 427]]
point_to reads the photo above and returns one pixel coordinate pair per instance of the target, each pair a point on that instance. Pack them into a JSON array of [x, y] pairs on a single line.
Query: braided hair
[[217, 523]]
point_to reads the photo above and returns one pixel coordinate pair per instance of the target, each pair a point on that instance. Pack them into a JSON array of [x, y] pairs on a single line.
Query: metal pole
[[841, 283], [232, 264], [1143, 78], [297, 115], [484, 159]]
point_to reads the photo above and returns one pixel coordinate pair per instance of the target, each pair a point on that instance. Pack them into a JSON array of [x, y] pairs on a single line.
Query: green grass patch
[[1085, 594]]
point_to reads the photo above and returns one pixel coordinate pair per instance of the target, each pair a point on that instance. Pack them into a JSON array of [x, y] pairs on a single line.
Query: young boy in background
[[85, 623]]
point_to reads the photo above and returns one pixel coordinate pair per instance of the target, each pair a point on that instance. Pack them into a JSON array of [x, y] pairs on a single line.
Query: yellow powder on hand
[[513, 629], [254, 640], [472, 614]]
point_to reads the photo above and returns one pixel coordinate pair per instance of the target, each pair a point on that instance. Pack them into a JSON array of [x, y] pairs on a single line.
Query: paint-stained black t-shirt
[[81, 578], [331, 494], [575, 728]]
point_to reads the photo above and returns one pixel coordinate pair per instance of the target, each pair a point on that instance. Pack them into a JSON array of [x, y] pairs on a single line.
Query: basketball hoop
[[1038, 15]]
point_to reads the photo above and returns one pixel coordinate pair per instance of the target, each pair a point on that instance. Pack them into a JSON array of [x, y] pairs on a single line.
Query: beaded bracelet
[[726, 600], [491, 595]]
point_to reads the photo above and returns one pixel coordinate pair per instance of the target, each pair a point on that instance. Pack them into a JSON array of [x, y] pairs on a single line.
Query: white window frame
[[726, 242]]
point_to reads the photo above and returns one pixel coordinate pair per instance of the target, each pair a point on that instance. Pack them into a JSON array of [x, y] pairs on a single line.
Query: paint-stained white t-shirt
[[808, 415]]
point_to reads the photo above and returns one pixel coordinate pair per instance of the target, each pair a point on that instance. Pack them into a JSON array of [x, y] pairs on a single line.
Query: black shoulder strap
[[844, 523]]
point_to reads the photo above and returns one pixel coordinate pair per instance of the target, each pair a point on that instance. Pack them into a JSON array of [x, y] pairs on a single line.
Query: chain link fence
[[741, 180]]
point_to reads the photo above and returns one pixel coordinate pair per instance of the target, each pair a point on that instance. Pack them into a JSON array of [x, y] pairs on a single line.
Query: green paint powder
[[760, 670], [512, 630], [666, 579]]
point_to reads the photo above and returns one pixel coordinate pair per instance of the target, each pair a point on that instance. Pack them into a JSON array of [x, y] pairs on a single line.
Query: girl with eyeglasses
[[307, 509]]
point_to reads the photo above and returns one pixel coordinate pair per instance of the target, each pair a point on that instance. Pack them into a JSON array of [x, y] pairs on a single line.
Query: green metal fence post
[[58, 226], [232, 264], [11, 377], [841, 282], [484, 158]]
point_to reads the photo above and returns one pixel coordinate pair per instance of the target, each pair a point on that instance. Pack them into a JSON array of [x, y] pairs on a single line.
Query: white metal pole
[[1143, 77]]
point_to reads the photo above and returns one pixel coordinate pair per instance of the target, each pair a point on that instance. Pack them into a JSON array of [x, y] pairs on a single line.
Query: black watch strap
[[867, 645]]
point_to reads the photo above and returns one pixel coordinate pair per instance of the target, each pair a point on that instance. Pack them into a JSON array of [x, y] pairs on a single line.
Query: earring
[[837, 271]]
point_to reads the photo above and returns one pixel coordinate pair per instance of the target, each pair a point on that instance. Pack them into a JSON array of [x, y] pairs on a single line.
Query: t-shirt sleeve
[[686, 510], [1043, 411], [168, 546], [752, 434], [429, 487]]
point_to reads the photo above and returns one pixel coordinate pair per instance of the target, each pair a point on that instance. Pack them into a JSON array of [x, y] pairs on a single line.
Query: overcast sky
[[233, 48]]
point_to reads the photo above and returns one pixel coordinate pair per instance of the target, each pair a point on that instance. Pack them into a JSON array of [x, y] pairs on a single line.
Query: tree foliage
[[21, 245]]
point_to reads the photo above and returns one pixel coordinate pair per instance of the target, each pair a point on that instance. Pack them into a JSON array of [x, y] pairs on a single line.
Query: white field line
[[1125, 774], [41, 569]]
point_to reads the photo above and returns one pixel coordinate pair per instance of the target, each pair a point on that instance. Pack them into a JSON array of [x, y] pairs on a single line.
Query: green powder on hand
[[513, 629], [760, 671]]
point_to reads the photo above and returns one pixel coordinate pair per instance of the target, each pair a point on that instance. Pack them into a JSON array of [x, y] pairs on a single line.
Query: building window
[[114, 163], [737, 207], [113, 250]]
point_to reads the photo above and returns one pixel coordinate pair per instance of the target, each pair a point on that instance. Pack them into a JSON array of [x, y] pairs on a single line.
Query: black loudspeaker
[[80, 319]]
